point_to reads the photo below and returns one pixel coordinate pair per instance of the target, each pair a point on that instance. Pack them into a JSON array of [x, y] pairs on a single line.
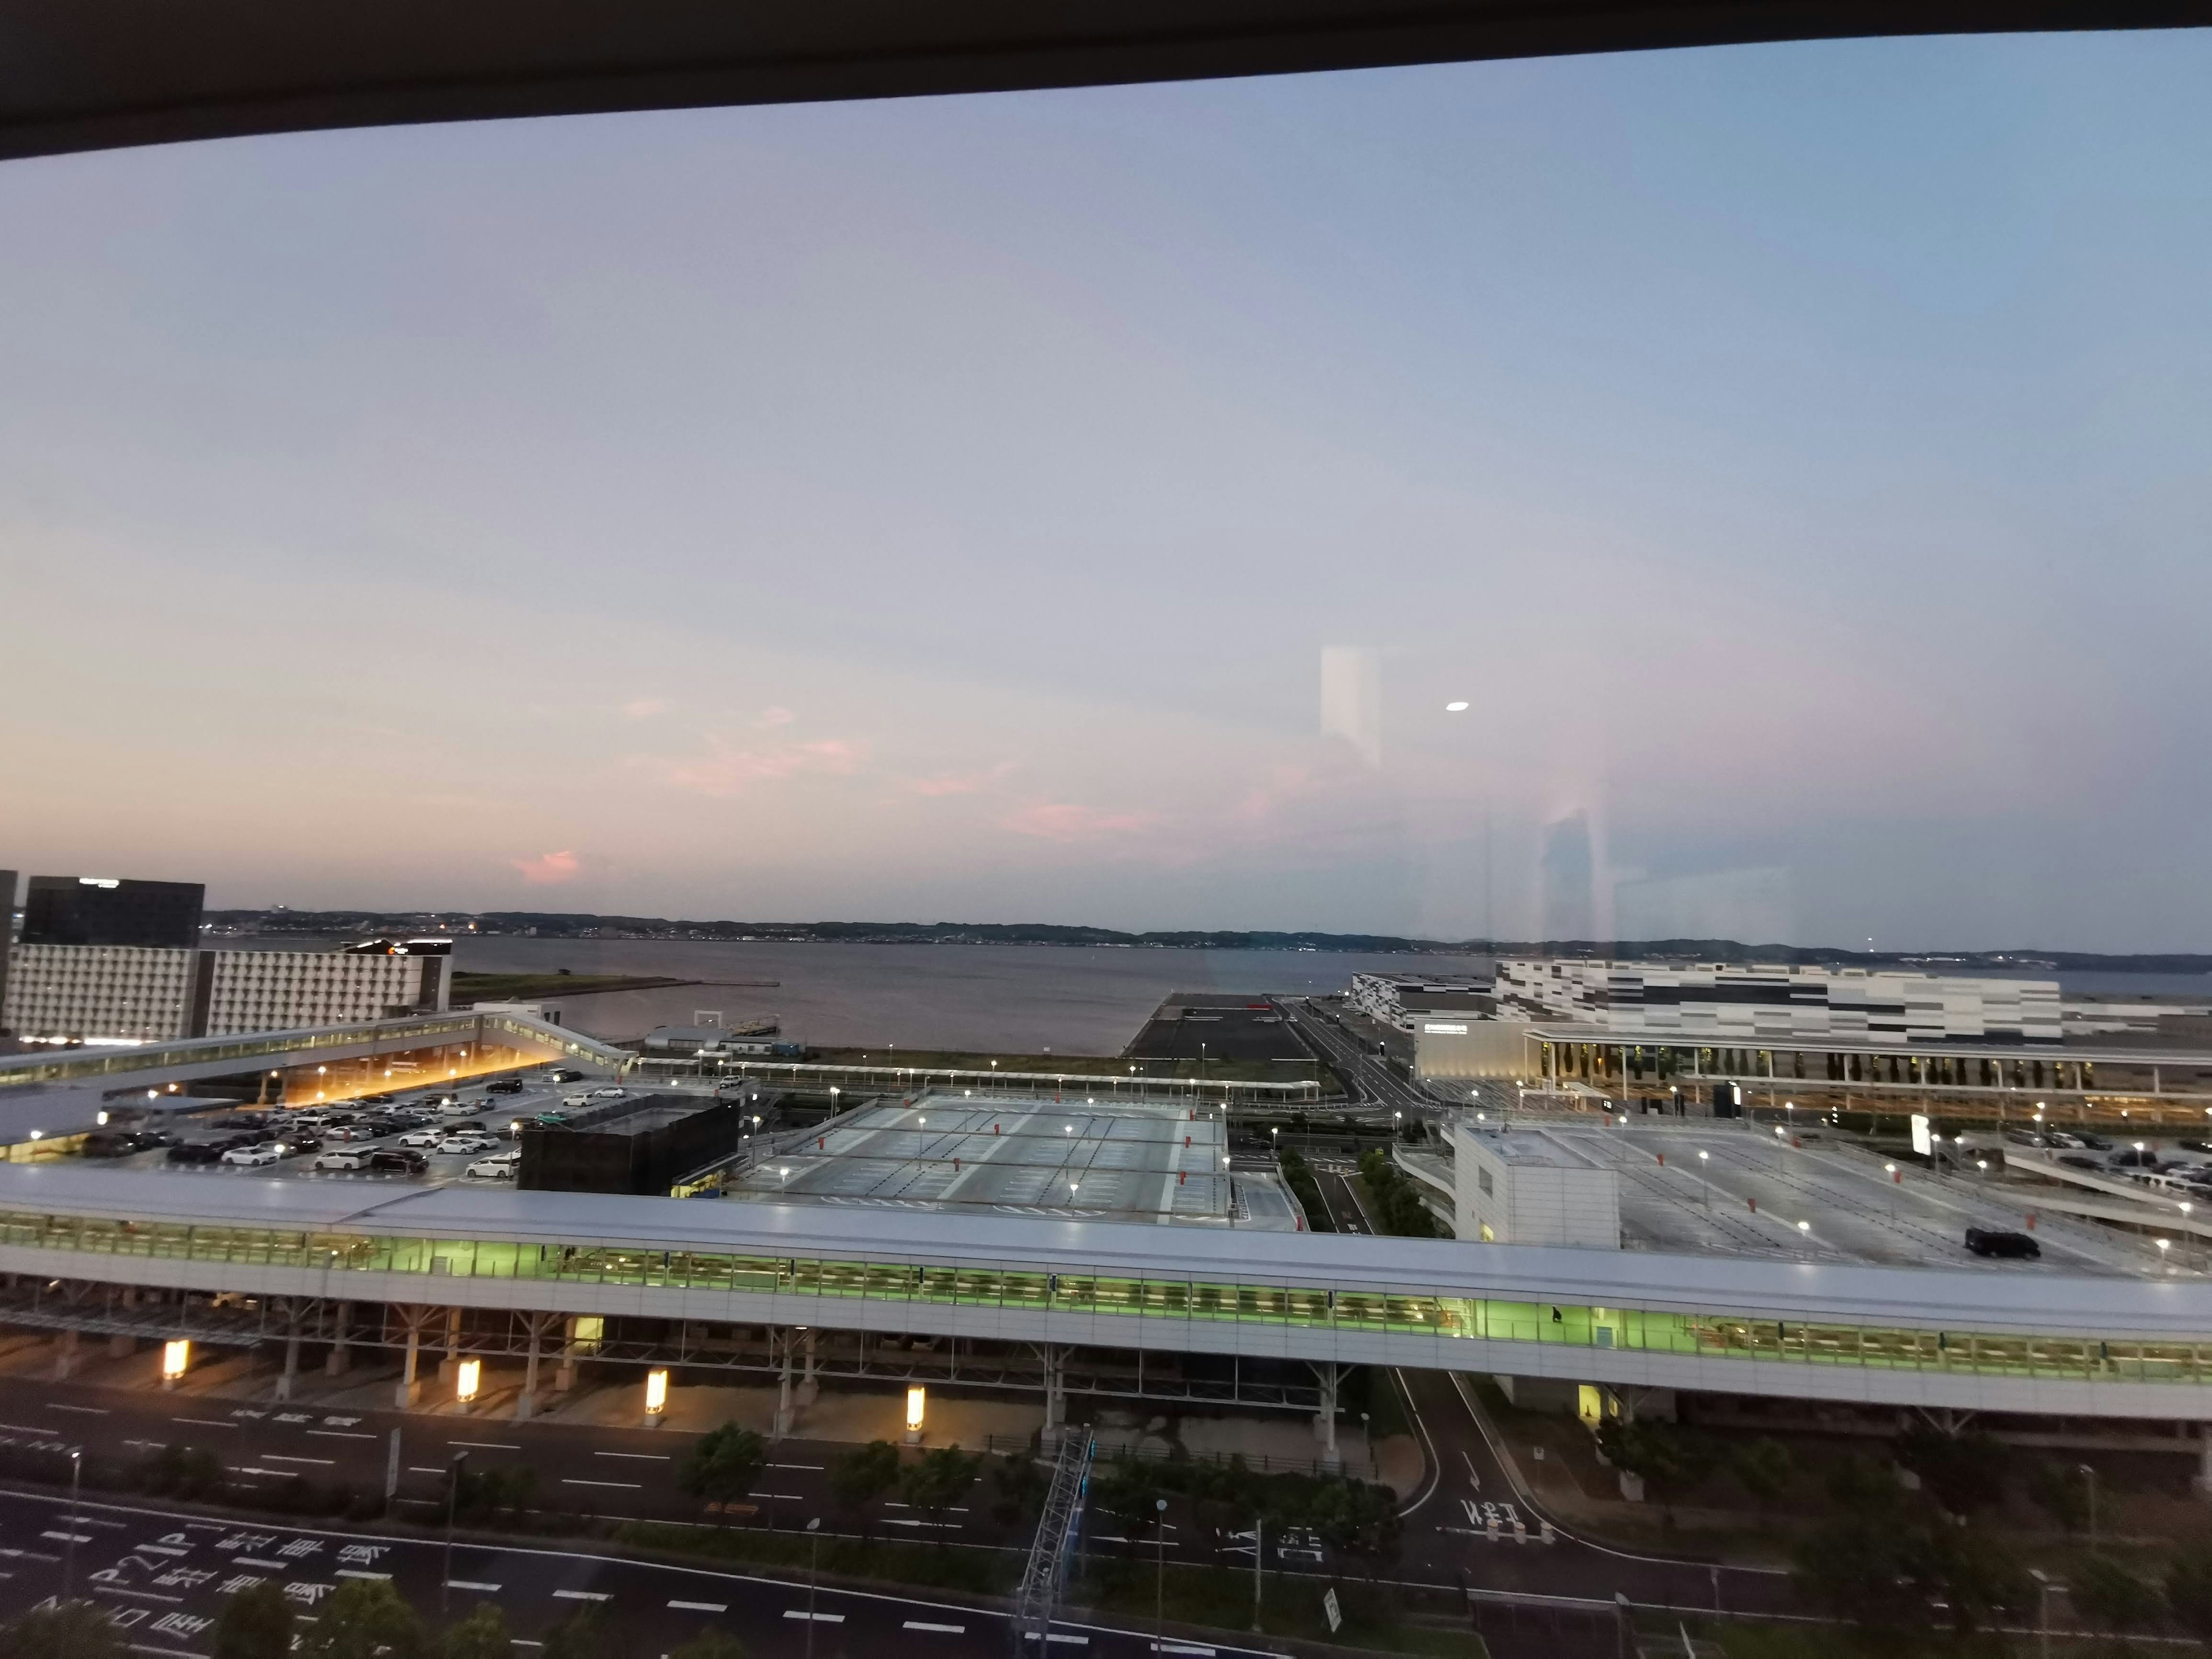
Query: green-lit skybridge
[[706, 1283]]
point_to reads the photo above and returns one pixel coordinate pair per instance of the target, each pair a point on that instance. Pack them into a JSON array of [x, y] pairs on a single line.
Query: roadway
[[1468, 1522], [166, 1574], [1369, 1077]]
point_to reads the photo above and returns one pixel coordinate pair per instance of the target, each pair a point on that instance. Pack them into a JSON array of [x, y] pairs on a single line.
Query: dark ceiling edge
[[1425, 37]]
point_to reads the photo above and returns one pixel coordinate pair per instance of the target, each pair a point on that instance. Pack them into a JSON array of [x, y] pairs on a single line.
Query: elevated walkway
[[156, 1065]]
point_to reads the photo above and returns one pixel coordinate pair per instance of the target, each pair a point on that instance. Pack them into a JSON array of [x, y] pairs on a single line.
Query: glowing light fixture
[[656, 1392], [175, 1356], [916, 1399], [468, 1380]]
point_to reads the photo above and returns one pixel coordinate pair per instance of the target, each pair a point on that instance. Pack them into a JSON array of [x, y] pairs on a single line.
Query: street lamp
[[1703, 1158], [68, 1562], [1160, 1579], [453, 1471], [813, 1546]]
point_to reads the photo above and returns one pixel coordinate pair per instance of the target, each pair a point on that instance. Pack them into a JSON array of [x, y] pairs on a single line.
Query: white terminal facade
[[127, 994], [1747, 1004]]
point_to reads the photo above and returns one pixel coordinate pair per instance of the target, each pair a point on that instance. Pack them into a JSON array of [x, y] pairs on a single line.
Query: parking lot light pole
[[1160, 1575], [453, 1471]]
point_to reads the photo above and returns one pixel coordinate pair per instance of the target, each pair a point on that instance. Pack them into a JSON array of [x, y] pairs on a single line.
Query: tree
[[710, 1644], [2111, 1597], [724, 1464], [2062, 1492], [1978, 1579], [1669, 1462], [1021, 1486], [2188, 1590], [933, 1481], [1765, 1469], [187, 1472], [74, 1629], [481, 1635], [1962, 1472], [256, 1623], [585, 1634], [363, 1618], [863, 1475]]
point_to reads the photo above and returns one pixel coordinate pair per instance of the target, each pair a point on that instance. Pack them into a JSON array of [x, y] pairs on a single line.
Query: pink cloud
[[730, 771], [1062, 822], [1281, 785], [644, 709], [957, 783], [778, 715], [549, 869]]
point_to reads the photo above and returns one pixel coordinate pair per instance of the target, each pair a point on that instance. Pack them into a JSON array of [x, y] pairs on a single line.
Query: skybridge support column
[[1055, 1355], [525, 1403], [1325, 1424], [810, 1389], [2203, 1480], [339, 1360], [290, 1377], [64, 1356], [409, 1390], [564, 1374], [780, 1340]]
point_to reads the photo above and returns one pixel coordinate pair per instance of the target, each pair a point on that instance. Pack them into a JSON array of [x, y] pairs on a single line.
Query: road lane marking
[[1183, 1647], [279, 1457], [144, 1595], [474, 1445], [249, 1561], [20, 1428], [466, 1584], [161, 1549], [423, 1468], [202, 1422], [341, 1434], [701, 1606], [818, 1617], [642, 1457], [68, 1537], [779, 1497], [627, 1485], [815, 1468], [86, 1411], [356, 1572], [580, 1596], [1083, 1641], [948, 1630]]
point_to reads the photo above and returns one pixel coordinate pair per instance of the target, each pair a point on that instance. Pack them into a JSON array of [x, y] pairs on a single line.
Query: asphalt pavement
[[165, 1577]]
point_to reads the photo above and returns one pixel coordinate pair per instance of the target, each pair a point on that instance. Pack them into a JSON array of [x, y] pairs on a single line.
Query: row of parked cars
[[339, 1139]]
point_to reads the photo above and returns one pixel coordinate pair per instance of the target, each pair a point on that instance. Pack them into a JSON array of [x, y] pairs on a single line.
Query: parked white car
[[250, 1157], [422, 1137], [454, 1106], [490, 1168], [609, 1094], [576, 1101], [342, 1161], [467, 1143], [354, 1132]]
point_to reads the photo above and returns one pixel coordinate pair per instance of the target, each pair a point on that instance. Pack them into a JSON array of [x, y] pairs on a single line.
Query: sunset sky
[[1797, 457]]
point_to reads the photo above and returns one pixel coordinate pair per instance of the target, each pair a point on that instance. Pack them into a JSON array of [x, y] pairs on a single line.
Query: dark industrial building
[[108, 910], [641, 1145]]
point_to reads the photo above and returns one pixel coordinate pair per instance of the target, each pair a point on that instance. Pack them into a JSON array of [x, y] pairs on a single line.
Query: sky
[[1083, 507]]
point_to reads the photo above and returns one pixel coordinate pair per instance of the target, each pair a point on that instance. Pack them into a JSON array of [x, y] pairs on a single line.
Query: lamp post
[[1160, 1576], [69, 1557], [2090, 1475], [454, 1472], [2042, 1610], [1703, 1158], [813, 1549]]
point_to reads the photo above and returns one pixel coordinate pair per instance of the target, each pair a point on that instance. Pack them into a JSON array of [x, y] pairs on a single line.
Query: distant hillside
[[548, 924]]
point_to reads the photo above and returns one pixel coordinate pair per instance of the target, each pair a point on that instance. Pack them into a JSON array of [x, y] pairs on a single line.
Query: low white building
[[1524, 1187], [1399, 1000]]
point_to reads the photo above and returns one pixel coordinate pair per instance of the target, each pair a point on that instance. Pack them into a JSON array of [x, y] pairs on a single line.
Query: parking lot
[[423, 1120], [1740, 1189]]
